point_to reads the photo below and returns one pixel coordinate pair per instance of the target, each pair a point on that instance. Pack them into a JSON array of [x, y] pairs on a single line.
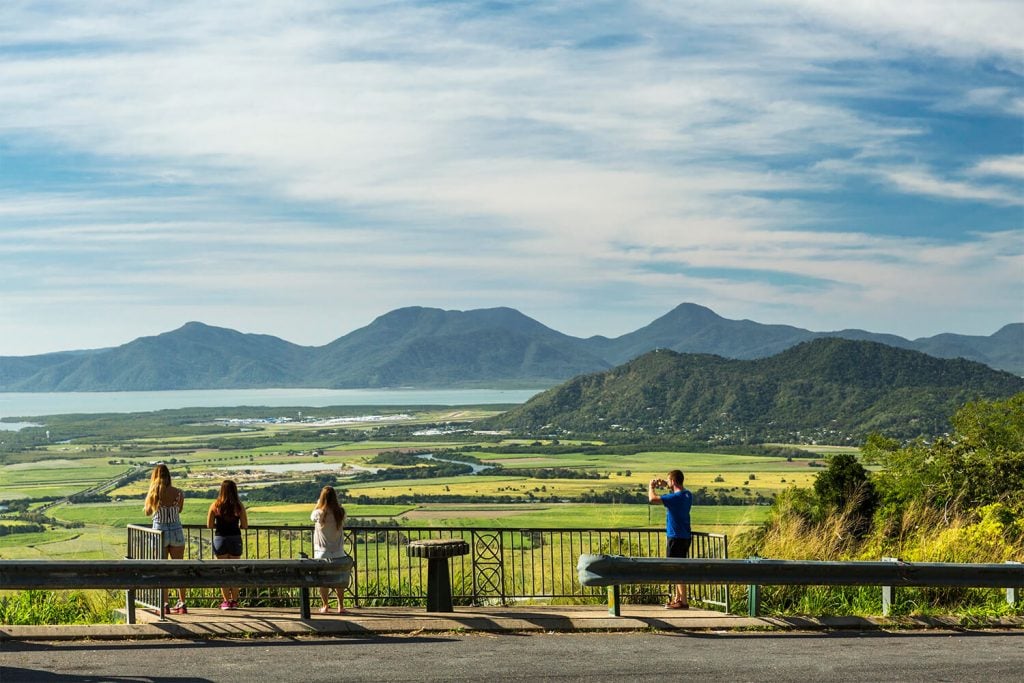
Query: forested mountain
[[690, 328], [830, 390], [195, 356], [422, 347], [430, 347]]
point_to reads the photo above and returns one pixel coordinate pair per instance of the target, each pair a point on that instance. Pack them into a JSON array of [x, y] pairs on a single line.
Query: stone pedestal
[[437, 552]]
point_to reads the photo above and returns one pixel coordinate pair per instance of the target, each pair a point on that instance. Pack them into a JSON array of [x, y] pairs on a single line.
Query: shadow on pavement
[[20, 675], [282, 641]]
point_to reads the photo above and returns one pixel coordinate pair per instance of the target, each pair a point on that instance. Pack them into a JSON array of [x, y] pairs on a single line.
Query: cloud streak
[[466, 155]]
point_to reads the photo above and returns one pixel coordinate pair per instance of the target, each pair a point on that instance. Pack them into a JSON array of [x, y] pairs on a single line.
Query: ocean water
[[30, 405]]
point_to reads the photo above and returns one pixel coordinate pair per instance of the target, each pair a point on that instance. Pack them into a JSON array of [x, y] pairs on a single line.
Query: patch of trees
[[700, 497], [432, 471], [558, 473], [292, 492], [401, 458], [633, 446], [8, 529], [978, 465], [412, 457]]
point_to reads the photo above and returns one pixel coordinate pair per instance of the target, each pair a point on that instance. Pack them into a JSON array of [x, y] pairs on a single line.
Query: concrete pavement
[[208, 623]]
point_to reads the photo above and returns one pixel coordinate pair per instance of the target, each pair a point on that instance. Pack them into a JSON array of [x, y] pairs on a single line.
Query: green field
[[520, 493], [54, 477]]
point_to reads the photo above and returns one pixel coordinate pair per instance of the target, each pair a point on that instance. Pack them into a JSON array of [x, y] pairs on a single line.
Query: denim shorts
[[227, 545], [172, 536]]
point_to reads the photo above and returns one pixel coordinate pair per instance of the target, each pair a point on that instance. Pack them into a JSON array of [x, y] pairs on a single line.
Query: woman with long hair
[[164, 504], [227, 518], [329, 539]]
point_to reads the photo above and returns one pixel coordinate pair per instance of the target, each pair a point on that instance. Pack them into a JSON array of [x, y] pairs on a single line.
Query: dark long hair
[[329, 501], [228, 503]]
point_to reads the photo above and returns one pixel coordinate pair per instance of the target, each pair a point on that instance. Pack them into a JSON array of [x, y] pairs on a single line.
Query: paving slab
[[275, 622]]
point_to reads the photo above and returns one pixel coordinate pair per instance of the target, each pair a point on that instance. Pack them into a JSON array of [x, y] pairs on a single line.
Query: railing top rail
[[404, 527]]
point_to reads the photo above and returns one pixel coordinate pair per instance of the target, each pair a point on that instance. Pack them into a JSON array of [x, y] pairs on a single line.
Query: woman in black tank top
[[227, 518]]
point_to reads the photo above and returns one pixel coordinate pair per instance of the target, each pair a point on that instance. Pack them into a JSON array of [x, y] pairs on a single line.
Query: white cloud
[[919, 181], [421, 155], [1011, 166], [978, 28]]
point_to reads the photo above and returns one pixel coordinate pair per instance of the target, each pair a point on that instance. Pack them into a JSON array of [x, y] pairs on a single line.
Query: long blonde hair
[[329, 501], [159, 482]]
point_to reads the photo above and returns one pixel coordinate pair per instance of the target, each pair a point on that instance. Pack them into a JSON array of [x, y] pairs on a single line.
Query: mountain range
[[430, 347], [827, 390]]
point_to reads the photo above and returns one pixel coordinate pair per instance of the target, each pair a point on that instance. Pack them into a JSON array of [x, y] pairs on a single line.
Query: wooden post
[[888, 592], [614, 608]]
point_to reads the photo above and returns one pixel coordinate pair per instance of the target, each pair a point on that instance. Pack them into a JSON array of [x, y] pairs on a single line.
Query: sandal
[[324, 610], [179, 608], [677, 604]]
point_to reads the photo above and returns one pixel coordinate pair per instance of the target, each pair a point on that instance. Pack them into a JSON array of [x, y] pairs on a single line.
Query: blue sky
[[298, 169]]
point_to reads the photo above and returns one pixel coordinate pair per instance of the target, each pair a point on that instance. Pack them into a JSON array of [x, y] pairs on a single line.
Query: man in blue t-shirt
[[677, 525]]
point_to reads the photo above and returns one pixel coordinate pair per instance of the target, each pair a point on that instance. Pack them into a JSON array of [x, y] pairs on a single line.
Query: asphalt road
[[907, 656]]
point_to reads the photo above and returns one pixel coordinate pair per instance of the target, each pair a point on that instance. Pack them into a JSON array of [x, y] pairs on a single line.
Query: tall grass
[[38, 607], [991, 534]]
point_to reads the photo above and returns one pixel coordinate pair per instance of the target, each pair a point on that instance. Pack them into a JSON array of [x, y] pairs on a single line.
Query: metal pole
[[888, 592], [753, 594], [614, 606], [1012, 592]]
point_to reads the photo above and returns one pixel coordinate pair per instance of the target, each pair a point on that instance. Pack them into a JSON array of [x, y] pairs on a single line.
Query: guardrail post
[[1012, 592], [753, 594], [129, 606], [304, 594], [888, 592], [754, 600], [614, 606]]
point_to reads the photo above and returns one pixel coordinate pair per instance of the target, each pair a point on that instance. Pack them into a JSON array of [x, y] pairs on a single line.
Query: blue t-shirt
[[677, 518]]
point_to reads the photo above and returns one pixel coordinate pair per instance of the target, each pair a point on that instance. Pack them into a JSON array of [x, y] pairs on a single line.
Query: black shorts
[[227, 545], [678, 547]]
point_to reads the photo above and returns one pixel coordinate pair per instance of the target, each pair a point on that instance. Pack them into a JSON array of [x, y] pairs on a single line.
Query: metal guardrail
[[107, 574], [157, 574], [607, 570], [504, 566]]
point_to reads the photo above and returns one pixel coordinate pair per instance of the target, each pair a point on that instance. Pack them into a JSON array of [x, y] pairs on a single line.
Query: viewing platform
[[211, 623]]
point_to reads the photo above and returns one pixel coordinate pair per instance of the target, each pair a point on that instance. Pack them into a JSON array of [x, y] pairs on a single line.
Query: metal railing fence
[[504, 566], [144, 543]]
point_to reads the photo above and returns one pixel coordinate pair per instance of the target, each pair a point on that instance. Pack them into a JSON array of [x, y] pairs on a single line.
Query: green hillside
[[828, 390]]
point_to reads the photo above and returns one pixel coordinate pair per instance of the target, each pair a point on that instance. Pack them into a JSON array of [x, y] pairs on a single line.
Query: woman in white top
[[329, 539], [165, 503]]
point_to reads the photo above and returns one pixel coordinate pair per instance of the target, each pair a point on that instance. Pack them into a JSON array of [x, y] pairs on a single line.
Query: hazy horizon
[[344, 333]]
